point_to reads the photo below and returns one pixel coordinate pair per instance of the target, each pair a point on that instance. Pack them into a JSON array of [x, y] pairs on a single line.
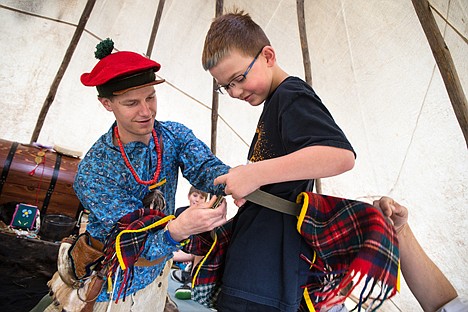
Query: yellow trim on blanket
[[398, 277], [305, 205], [309, 303], [109, 285], [215, 239], [118, 250], [300, 219]]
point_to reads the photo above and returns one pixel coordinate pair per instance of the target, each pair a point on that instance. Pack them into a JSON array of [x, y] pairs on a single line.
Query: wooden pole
[[215, 95], [63, 67], [214, 118], [154, 31], [306, 60], [445, 63], [304, 44]]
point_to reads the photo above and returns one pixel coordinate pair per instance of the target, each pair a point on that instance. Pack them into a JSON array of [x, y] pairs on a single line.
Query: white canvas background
[[371, 65]]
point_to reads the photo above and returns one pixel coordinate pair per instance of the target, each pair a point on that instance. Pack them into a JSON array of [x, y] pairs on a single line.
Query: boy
[[296, 141], [185, 260], [195, 196]]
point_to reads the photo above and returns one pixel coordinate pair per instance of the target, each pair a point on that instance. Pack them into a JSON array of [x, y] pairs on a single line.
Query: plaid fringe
[[354, 244]]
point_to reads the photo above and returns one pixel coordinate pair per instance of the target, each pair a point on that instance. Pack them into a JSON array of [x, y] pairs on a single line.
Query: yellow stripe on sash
[[398, 278], [302, 197], [215, 240], [309, 303], [118, 250]]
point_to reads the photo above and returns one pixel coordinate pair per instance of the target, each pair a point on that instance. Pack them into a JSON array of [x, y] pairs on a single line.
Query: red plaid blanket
[[126, 241], [353, 242]]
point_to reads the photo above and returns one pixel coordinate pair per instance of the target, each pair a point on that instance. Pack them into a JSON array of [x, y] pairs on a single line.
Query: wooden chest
[[38, 176]]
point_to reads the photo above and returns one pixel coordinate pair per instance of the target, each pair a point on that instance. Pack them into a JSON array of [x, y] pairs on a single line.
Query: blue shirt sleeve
[[104, 187]]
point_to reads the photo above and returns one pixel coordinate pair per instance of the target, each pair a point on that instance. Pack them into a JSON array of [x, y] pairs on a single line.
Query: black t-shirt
[[263, 261], [179, 210]]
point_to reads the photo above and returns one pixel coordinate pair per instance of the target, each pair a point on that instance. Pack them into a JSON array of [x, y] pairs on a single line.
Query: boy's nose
[[235, 91]]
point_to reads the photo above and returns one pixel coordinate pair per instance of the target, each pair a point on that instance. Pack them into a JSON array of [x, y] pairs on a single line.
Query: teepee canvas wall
[[371, 65]]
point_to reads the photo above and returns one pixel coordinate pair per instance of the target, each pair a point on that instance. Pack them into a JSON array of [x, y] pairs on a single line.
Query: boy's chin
[[255, 102]]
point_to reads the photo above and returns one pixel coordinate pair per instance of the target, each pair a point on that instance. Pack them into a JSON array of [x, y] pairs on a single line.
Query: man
[[426, 281], [139, 157]]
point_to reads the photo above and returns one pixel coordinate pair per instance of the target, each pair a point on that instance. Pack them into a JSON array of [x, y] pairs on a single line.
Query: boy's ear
[[106, 103], [270, 55]]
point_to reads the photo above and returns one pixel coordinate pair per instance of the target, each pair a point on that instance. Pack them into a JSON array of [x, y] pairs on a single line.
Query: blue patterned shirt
[[106, 187]]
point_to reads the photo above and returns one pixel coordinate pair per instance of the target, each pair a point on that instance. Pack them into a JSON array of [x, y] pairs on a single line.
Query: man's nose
[[145, 109]]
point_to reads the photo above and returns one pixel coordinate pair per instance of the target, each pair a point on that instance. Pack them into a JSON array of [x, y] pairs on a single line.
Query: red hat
[[120, 72]]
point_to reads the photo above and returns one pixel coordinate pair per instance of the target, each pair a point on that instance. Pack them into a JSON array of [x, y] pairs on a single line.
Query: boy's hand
[[397, 213], [198, 219], [239, 181]]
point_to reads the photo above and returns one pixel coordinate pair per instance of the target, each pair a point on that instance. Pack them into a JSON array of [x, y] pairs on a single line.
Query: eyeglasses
[[238, 79]]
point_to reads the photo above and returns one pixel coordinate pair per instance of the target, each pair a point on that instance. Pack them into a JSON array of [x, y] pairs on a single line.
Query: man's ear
[[106, 103]]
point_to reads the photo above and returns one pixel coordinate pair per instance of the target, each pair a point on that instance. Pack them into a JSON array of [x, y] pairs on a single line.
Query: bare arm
[[308, 163], [425, 280]]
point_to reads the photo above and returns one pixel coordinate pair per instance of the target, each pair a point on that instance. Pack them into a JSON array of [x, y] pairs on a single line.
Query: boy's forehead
[[230, 65], [236, 53]]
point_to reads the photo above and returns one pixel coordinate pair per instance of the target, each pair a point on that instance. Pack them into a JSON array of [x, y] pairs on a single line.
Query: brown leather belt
[[143, 262]]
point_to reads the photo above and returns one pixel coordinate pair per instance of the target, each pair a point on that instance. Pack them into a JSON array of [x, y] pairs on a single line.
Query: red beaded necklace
[[129, 165]]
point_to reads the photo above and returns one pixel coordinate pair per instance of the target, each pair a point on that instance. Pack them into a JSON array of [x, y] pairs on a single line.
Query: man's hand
[[426, 281], [198, 219], [397, 213]]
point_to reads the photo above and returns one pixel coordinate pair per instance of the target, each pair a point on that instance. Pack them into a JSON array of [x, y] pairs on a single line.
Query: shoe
[[180, 276], [176, 275], [184, 292]]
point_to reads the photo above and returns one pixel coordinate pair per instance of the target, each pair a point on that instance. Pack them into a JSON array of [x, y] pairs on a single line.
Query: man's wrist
[[171, 240], [401, 229]]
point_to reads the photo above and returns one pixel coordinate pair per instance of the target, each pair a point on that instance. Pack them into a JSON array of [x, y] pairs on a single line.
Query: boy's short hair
[[195, 190], [231, 31]]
